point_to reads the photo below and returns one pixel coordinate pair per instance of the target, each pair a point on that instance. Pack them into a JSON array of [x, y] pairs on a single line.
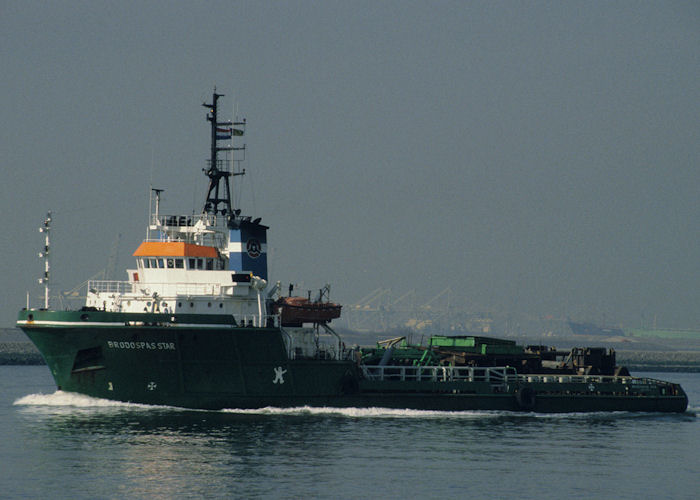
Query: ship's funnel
[[248, 248]]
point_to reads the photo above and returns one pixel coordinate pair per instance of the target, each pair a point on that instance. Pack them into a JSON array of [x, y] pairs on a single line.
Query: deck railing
[[587, 379], [163, 289], [496, 376], [501, 377], [183, 220], [110, 286]]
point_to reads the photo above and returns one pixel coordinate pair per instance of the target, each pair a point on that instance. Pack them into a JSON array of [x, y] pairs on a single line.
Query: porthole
[[208, 304], [220, 306], [191, 304], [179, 304]]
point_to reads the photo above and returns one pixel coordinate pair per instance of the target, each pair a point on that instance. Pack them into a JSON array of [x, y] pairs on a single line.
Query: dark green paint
[[226, 366]]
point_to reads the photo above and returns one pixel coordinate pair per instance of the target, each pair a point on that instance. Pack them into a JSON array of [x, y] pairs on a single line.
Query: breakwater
[[16, 349], [660, 361], [19, 353]]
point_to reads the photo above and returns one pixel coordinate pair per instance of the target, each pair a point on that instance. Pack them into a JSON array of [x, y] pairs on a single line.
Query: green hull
[[204, 361]]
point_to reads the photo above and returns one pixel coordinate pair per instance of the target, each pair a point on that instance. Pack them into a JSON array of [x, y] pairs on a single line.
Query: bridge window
[[179, 264], [171, 263], [210, 264], [145, 263], [161, 263], [200, 263], [192, 263]]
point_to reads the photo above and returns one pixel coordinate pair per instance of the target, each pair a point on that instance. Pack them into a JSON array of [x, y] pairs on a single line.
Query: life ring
[[525, 396]]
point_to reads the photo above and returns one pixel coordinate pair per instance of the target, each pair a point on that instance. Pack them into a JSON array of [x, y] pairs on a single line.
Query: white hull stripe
[[123, 324]]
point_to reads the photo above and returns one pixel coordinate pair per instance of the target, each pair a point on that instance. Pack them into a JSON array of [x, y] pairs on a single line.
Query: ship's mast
[[46, 229], [219, 192]]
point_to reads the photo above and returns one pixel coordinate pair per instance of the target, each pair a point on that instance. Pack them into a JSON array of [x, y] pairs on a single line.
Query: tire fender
[[526, 398]]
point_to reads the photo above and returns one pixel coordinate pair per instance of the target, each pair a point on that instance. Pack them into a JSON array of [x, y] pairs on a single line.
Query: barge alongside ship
[[197, 325]]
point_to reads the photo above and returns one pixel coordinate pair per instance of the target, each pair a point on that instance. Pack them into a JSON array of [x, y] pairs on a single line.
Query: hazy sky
[[537, 157]]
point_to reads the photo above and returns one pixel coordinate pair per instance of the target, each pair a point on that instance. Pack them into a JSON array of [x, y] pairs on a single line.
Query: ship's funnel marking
[[248, 249]]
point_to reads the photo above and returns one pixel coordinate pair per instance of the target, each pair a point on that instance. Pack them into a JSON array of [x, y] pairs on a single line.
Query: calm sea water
[[55, 445]]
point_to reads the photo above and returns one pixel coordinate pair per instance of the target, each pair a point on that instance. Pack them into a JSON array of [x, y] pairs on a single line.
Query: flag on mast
[[223, 134]]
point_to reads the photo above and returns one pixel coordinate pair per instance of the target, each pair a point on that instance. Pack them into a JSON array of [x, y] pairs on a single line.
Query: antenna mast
[[219, 192], [46, 229], [153, 216]]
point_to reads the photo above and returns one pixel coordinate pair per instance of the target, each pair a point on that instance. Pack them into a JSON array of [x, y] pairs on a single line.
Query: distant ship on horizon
[[593, 329], [585, 328]]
